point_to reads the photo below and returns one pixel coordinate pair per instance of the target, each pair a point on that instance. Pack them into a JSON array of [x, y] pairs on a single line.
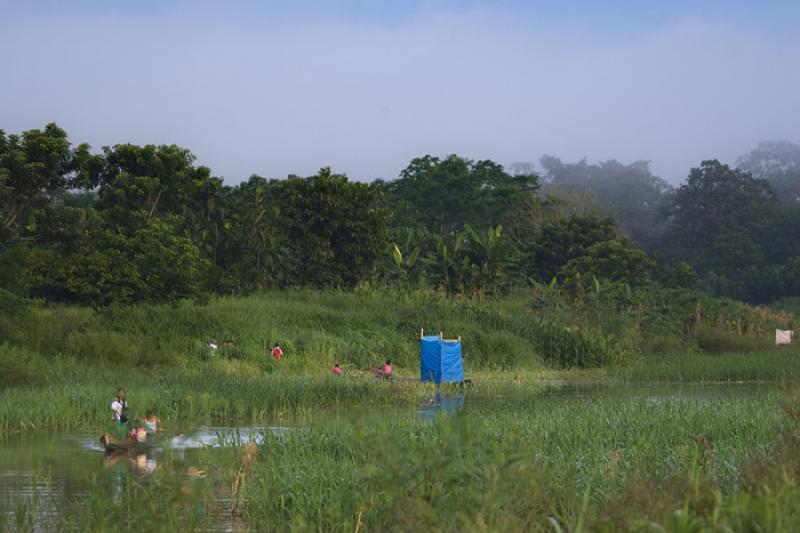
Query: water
[[45, 473]]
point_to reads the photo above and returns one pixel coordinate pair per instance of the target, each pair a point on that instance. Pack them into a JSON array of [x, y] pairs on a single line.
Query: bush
[[564, 347], [712, 340], [19, 368], [665, 344], [10, 302]]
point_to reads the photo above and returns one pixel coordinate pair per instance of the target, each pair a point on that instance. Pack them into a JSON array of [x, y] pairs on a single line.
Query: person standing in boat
[[119, 414]]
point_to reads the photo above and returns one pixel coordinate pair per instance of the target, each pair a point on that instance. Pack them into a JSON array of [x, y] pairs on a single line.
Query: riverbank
[[75, 358]]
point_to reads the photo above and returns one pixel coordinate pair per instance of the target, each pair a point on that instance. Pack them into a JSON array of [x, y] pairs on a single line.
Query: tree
[[155, 180], [613, 260], [444, 194], [568, 238], [153, 263], [717, 218], [631, 191], [336, 229], [33, 165], [781, 241], [777, 162], [254, 245]]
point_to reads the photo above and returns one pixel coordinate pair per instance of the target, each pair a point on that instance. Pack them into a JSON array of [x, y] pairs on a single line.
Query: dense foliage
[[145, 223]]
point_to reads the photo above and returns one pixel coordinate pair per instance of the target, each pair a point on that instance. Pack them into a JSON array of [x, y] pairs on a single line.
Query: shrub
[[19, 368], [665, 344], [10, 302], [712, 340], [564, 347]]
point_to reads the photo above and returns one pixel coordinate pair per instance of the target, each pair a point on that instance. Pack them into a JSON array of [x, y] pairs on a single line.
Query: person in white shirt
[[119, 413]]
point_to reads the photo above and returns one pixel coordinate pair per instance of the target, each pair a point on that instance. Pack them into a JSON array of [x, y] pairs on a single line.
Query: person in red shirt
[[337, 371], [277, 353]]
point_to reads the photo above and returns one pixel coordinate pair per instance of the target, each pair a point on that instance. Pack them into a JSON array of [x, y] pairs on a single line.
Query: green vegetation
[[525, 462], [180, 397], [613, 324], [76, 357], [120, 268], [759, 365], [146, 224]]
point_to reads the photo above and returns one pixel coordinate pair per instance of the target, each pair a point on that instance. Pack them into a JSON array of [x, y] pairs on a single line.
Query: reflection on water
[[42, 474], [442, 404], [205, 436]]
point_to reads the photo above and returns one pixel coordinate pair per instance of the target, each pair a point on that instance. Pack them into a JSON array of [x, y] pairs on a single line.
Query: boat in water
[[140, 441]]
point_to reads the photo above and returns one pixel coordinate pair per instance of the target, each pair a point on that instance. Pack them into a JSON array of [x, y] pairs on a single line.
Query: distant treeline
[[144, 223]]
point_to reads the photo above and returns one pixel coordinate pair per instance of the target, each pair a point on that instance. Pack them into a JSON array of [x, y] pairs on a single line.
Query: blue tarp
[[440, 360]]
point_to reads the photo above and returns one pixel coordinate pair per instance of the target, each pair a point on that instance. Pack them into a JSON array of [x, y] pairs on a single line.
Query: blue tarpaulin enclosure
[[440, 360]]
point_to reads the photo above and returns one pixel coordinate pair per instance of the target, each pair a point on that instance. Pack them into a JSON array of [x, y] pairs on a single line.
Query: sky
[[279, 88]]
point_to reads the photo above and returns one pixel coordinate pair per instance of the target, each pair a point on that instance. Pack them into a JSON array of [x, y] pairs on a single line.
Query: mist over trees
[[145, 223], [777, 162], [631, 193]]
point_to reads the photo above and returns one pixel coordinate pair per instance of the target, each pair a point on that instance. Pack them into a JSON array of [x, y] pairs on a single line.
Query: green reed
[[518, 463]]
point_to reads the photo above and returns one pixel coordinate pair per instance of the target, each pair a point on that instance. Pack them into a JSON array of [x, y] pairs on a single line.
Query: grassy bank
[[75, 358], [528, 330]]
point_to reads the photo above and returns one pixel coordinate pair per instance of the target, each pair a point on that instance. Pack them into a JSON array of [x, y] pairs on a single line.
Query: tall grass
[[522, 463], [315, 329], [514, 467], [86, 403], [765, 365]]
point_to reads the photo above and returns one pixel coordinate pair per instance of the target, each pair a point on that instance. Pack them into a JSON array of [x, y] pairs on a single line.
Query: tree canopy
[[777, 162], [130, 223]]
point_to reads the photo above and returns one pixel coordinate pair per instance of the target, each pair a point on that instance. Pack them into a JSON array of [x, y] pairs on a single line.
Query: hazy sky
[[287, 87]]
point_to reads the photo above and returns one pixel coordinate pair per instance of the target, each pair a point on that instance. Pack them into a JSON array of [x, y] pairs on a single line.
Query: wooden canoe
[[115, 445]]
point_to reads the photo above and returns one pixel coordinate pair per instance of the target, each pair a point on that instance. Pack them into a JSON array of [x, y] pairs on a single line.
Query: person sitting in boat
[[119, 414], [137, 434], [152, 424]]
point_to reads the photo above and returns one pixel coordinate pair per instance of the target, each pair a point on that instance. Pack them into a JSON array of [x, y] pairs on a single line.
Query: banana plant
[[490, 254], [404, 265], [445, 263]]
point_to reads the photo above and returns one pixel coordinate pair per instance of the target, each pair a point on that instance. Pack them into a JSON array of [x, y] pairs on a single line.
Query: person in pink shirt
[[387, 369], [336, 370]]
